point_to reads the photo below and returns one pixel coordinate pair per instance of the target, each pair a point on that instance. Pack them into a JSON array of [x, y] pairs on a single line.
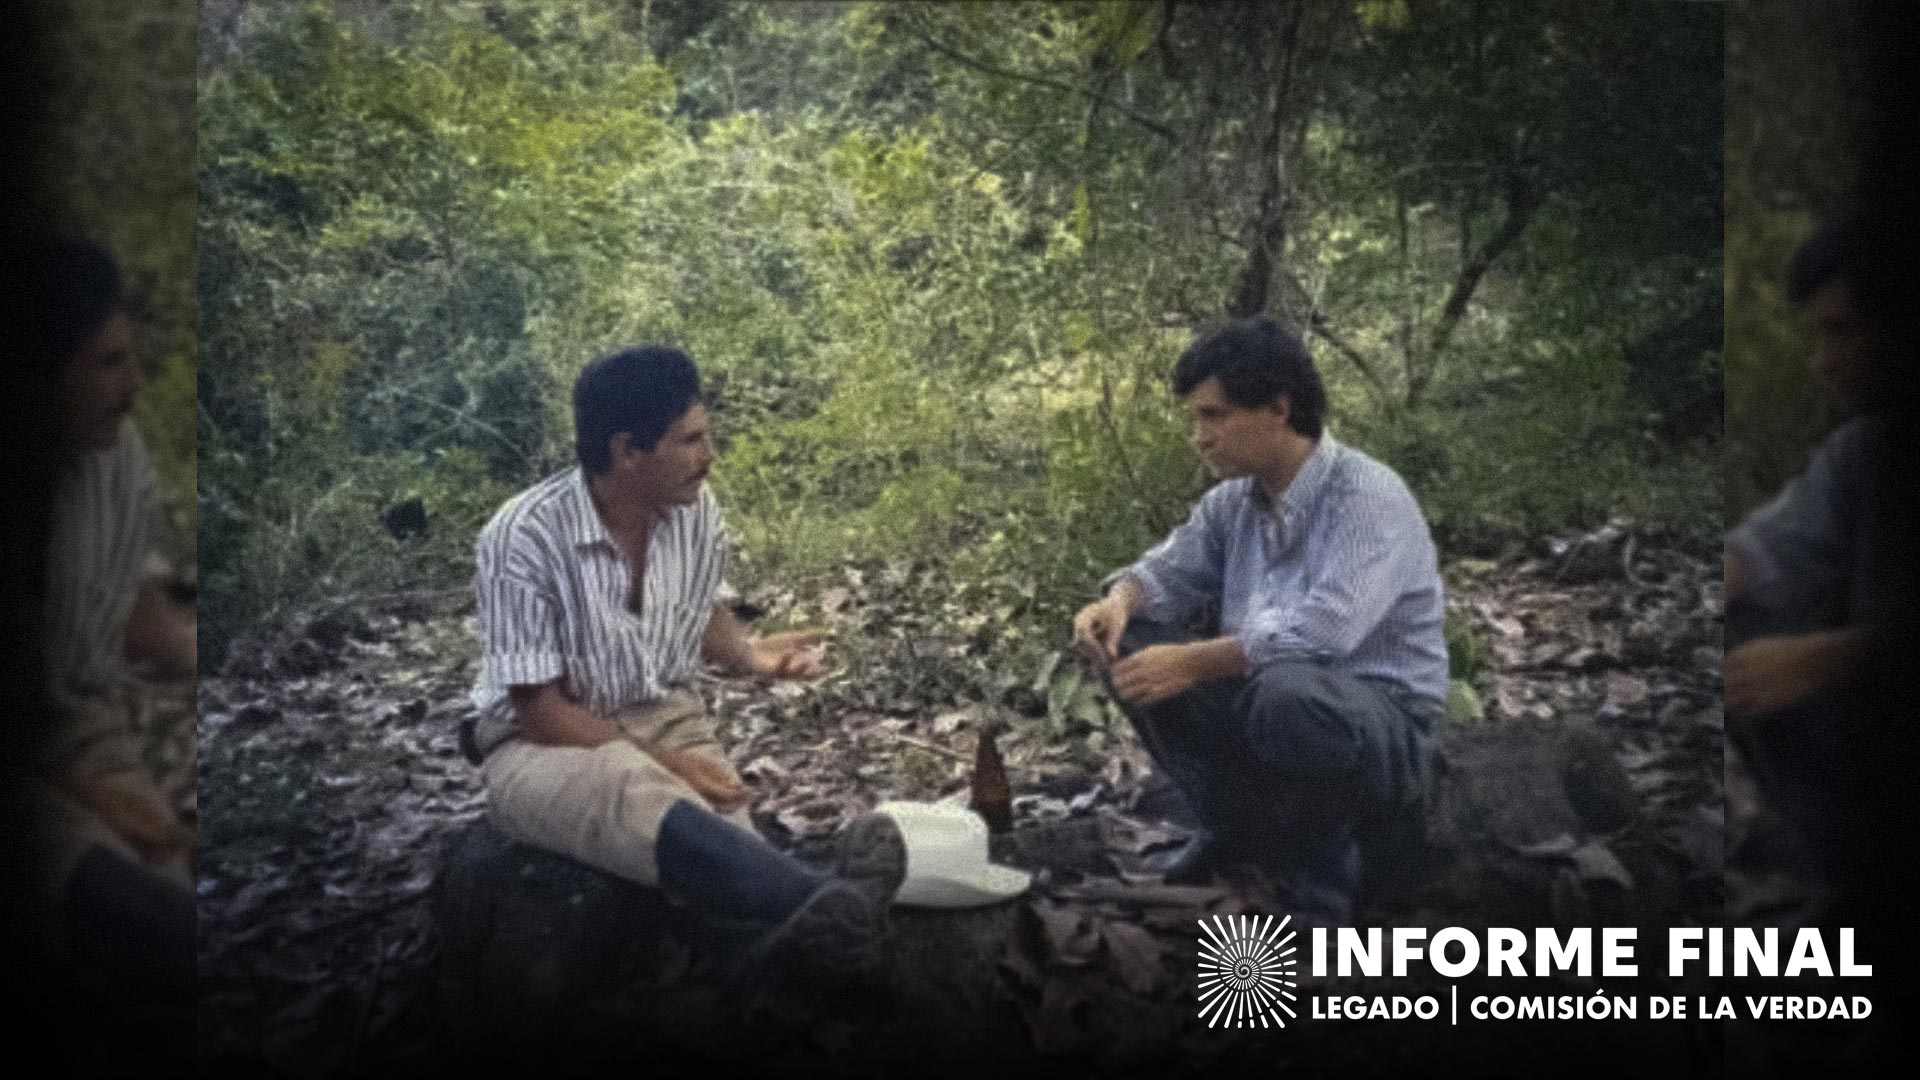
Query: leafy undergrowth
[[331, 780]]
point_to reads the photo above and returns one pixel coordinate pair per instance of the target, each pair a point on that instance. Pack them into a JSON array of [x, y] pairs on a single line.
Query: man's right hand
[[714, 780], [1098, 626], [134, 808]]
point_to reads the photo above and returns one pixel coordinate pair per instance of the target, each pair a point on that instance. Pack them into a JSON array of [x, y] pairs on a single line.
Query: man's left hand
[[794, 654], [1155, 673], [1768, 674]]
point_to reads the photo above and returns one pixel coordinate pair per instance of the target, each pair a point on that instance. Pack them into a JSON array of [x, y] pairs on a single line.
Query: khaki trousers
[[603, 806], [94, 740]]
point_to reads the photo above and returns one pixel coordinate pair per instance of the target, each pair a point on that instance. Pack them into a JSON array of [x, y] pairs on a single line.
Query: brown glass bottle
[[992, 796]]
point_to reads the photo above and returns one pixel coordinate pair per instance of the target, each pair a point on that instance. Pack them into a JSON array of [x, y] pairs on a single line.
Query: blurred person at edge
[[1813, 584], [114, 901]]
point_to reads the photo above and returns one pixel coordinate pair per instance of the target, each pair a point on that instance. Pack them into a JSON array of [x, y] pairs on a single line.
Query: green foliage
[[1797, 110], [934, 288], [1467, 651], [121, 144]]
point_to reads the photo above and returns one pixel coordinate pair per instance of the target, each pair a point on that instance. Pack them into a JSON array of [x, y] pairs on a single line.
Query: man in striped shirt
[[596, 595], [115, 854], [1306, 721]]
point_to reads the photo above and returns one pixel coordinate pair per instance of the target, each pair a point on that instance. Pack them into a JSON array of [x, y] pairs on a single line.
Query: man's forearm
[[1128, 593], [1219, 658], [548, 718], [726, 642], [158, 631], [1840, 655]]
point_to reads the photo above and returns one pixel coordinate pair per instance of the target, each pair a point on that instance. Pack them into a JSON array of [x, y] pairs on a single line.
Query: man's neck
[[1289, 459], [625, 515]]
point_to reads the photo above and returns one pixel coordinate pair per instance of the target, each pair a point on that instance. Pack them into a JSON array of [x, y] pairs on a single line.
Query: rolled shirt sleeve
[[1799, 538], [1186, 569], [518, 617]]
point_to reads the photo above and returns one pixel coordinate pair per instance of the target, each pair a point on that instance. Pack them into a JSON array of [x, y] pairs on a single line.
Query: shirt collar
[[589, 529], [1307, 483]]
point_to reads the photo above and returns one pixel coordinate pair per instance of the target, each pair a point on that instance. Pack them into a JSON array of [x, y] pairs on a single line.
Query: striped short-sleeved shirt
[[553, 589], [102, 525]]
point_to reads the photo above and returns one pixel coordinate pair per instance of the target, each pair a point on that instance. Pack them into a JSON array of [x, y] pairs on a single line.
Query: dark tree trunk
[[1523, 199], [1267, 250]]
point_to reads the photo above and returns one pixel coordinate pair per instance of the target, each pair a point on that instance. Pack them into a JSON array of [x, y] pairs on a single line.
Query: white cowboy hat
[[947, 863]]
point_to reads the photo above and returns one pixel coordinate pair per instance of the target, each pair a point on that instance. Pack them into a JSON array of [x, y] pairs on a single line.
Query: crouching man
[[596, 604], [1306, 724]]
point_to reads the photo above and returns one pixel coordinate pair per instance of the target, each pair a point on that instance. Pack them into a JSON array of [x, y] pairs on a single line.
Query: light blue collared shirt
[[1825, 550], [1342, 572]]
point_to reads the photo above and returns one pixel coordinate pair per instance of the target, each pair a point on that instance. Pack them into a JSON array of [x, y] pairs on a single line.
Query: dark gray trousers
[[1813, 759], [1294, 761]]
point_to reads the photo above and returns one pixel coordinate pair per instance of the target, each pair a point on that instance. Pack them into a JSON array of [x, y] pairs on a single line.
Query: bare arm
[[789, 655], [158, 630], [726, 642], [1768, 674], [1158, 672], [548, 717], [1098, 626], [1217, 658], [1127, 596]]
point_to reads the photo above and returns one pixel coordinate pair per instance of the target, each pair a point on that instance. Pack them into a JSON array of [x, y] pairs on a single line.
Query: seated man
[[1812, 581], [596, 591], [1307, 721], [117, 871]]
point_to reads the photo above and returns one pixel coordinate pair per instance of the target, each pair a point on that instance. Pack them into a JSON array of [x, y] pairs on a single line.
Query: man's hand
[[795, 654], [136, 811], [162, 633], [1768, 674], [712, 778], [1097, 629], [1156, 673]]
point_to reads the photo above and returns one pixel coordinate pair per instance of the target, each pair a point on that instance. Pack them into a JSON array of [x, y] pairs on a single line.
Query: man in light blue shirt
[[1814, 583], [1307, 722]]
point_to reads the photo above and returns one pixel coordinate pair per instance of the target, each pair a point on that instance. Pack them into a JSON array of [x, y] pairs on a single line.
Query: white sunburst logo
[[1246, 971]]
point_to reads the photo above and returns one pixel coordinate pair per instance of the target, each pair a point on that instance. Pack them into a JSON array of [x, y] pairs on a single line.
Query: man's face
[[100, 384], [1846, 352], [671, 473], [1235, 440]]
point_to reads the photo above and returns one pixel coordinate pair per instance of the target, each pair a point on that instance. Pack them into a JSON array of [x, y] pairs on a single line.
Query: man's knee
[[1296, 724]]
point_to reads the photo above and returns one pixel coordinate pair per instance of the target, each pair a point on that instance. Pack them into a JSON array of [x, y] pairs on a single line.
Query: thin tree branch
[[1137, 117], [1317, 322], [1523, 198], [1106, 409]]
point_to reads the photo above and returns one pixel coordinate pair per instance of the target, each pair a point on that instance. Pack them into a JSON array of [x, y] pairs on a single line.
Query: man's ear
[[1282, 406], [619, 446]]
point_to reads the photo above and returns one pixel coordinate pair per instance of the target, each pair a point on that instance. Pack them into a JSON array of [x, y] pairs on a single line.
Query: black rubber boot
[[726, 872]]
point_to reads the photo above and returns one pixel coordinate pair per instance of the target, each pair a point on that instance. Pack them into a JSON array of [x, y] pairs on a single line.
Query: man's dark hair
[[1255, 360], [638, 391], [74, 288], [1839, 250]]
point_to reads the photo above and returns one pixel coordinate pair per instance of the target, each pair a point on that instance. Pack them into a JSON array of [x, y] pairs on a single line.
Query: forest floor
[[1590, 791]]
